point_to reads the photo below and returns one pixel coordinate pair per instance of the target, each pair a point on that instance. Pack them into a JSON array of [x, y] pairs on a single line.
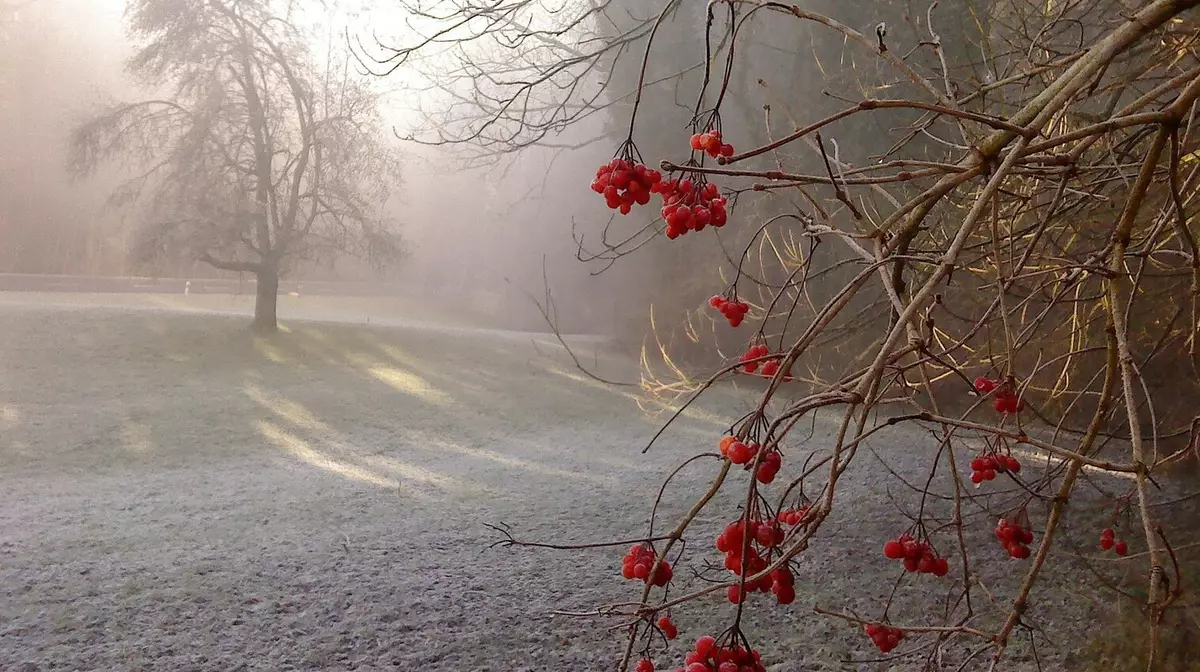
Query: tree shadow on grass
[[84, 390]]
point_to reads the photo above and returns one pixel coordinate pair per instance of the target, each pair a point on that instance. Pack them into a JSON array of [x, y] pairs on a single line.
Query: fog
[[479, 237], [483, 227]]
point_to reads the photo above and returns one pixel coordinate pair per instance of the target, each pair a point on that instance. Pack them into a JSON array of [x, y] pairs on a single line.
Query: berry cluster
[[768, 467], [766, 535], [707, 656], [625, 183], [754, 352], [985, 467], [639, 563], [744, 453], [737, 451], [885, 636], [668, 627], [918, 556], [1005, 399], [1108, 539], [794, 517], [783, 585], [734, 311], [1015, 537], [711, 144], [690, 207]]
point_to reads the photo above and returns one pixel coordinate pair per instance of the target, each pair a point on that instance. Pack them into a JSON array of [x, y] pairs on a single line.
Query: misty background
[[476, 237], [482, 225]]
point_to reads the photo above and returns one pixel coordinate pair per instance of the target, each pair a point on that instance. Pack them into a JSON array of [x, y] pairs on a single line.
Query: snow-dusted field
[[178, 495]]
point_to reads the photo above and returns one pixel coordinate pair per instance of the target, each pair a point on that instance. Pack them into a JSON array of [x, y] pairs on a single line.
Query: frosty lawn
[[179, 495]]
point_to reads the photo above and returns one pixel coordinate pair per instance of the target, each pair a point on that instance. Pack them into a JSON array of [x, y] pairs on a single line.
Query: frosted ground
[[177, 495]]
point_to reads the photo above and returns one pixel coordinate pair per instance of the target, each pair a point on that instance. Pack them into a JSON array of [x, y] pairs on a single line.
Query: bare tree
[[253, 157]]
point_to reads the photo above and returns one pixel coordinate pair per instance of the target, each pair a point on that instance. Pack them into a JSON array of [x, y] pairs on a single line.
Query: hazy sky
[[101, 24]]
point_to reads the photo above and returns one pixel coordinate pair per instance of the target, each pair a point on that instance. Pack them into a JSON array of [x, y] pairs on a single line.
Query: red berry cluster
[[744, 453], [985, 467], [1108, 539], [737, 451], [624, 183], [794, 517], [918, 556], [645, 665], [765, 535], [783, 585], [668, 627], [691, 207], [734, 311], [707, 656], [711, 144], [1016, 538], [1005, 399], [754, 352], [768, 467], [639, 563], [885, 636]]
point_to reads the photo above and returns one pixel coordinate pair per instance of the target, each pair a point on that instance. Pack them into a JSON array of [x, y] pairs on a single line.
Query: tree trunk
[[266, 299]]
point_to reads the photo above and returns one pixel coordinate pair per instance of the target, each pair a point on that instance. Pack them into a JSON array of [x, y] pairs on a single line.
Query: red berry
[[739, 453], [766, 473], [984, 385], [736, 594], [785, 594], [705, 646], [1121, 548], [1106, 543], [668, 627], [893, 550], [1107, 532], [941, 567], [697, 667], [1018, 551], [764, 535], [697, 141], [913, 549]]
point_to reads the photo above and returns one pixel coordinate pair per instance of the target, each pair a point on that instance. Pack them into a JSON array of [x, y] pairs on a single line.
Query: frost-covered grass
[[177, 494]]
